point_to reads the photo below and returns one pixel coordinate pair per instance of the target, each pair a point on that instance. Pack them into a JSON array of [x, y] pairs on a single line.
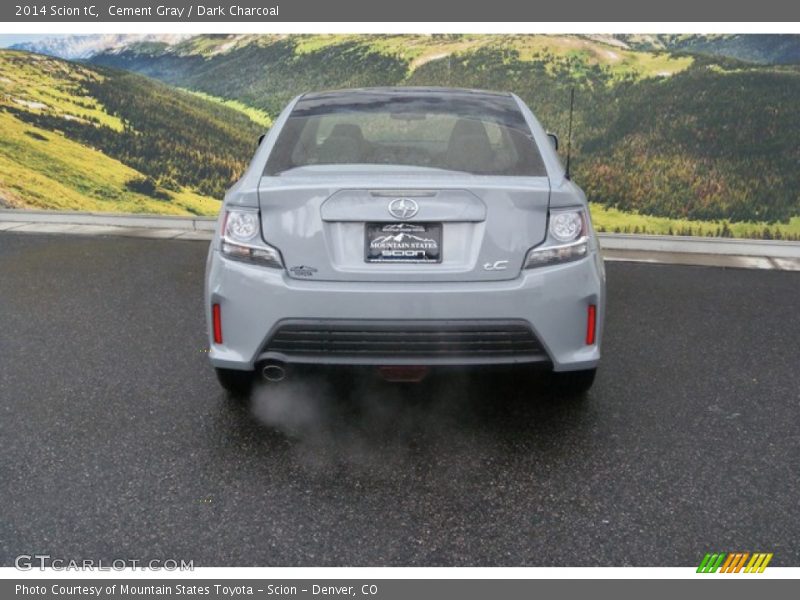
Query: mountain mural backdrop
[[672, 134]]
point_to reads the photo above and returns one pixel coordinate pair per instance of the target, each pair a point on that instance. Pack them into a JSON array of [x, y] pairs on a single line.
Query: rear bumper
[[551, 301]]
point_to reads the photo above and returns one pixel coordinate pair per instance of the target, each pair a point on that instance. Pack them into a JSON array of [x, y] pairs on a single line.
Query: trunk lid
[[368, 228]]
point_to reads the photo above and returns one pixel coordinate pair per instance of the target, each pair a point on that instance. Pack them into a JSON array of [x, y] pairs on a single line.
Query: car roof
[[427, 99], [400, 91]]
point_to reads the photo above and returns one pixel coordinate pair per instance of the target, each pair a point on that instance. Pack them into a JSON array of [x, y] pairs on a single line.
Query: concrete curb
[[699, 245], [682, 250], [106, 219]]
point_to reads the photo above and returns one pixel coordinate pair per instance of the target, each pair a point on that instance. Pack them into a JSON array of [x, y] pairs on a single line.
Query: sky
[[7, 40]]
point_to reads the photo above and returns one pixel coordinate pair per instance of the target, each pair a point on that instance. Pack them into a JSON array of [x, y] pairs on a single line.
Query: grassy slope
[[43, 169], [254, 114], [40, 84], [61, 147]]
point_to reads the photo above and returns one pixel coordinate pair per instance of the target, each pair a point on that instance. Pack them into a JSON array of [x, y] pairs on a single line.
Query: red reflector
[[591, 324], [217, 318]]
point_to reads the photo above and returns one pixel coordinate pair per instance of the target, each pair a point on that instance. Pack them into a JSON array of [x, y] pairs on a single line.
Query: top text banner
[[132, 11]]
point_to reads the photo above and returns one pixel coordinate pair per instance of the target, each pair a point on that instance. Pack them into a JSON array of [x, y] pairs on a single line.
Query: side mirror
[[261, 139], [553, 140]]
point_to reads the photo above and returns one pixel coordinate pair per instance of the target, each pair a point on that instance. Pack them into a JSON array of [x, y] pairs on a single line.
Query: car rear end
[[403, 228]]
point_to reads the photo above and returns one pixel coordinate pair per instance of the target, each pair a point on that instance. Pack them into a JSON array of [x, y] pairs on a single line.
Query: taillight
[[591, 324], [216, 314]]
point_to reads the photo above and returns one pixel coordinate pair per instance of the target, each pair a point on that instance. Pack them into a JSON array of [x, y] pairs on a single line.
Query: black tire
[[572, 383], [237, 383]]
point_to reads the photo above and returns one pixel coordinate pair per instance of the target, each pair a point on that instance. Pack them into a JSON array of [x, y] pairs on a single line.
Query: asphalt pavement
[[118, 443]]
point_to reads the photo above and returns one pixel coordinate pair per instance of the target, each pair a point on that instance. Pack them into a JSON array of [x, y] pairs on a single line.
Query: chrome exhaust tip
[[273, 372]]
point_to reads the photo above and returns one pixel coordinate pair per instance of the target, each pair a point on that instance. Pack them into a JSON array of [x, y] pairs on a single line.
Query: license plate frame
[[415, 243]]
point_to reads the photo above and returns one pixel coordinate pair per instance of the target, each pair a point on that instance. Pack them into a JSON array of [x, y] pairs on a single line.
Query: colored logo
[[735, 562]]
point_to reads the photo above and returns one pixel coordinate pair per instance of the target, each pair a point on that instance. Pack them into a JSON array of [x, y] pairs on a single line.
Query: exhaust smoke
[[344, 424]]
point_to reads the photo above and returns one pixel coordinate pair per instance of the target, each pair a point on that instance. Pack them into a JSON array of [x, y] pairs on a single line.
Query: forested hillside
[[656, 134], [706, 144]]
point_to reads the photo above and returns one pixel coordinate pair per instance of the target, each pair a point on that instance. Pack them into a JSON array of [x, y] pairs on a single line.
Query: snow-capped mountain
[[85, 46]]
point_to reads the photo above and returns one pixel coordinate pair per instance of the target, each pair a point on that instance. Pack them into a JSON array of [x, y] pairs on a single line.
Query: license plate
[[404, 242]]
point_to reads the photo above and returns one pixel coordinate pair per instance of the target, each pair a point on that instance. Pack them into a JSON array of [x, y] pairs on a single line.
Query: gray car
[[405, 229]]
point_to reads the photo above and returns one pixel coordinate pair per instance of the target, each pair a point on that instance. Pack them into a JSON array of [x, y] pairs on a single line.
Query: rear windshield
[[481, 134]]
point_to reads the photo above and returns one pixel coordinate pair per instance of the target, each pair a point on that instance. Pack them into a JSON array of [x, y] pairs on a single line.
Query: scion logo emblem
[[403, 208]]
